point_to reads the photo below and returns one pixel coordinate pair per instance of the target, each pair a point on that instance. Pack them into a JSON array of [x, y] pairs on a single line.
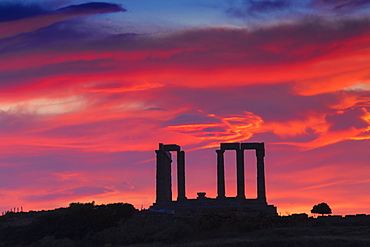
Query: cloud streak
[[248, 8], [35, 20], [340, 6], [12, 11]]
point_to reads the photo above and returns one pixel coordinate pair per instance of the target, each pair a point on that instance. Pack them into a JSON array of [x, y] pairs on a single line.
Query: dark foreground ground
[[120, 224], [289, 236]]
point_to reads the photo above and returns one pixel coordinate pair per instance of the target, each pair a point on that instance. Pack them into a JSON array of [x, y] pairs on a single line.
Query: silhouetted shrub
[[321, 208], [71, 223]]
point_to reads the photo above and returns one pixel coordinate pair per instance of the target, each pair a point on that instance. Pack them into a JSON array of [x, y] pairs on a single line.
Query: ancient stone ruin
[[239, 204]]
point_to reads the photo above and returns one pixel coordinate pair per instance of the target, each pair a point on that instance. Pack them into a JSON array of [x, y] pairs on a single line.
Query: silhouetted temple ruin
[[239, 203]]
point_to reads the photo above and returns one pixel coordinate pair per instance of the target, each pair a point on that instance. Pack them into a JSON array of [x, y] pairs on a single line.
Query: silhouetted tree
[[321, 208]]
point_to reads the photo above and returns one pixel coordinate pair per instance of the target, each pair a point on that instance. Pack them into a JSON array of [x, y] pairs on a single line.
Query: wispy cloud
[[248, 8], [31, 18], [11, 11], [341, 6]]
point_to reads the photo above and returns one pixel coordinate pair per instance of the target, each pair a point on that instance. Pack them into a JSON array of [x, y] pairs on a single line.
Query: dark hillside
[[120, 224]]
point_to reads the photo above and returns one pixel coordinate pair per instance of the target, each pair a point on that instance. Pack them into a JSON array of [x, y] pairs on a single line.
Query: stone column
[[220, 174], [240, 173], [167, 176], [261, 190], [160, 194], [181, 175]]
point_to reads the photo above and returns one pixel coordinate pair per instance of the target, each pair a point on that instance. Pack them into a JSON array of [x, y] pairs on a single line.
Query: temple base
[[227, 205]]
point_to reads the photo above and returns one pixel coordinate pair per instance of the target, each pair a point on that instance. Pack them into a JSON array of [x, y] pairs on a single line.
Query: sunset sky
[[89, 89]]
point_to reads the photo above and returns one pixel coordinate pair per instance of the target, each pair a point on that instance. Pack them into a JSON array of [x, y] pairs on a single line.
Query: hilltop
[[120, 224]]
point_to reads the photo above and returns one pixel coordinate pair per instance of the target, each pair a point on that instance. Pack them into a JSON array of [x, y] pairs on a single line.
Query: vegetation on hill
[[72, 223], [121, 224]]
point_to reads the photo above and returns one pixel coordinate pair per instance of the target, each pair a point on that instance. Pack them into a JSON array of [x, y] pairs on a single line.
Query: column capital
[[220, 151]]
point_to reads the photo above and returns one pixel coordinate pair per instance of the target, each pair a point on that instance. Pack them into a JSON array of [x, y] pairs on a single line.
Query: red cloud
[[290, 85], [309, 54]]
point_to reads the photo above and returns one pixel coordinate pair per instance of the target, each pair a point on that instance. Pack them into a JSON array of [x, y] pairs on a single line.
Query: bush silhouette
[[321, 208], [63, 225]]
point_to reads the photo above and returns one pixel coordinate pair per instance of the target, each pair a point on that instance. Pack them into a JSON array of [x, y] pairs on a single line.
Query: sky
[[89, 89]]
